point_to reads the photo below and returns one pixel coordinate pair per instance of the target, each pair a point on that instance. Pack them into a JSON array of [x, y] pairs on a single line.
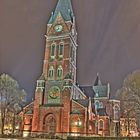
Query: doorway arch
[[49, 123]]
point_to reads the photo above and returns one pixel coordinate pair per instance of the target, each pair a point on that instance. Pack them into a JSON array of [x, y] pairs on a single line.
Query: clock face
[[54, 92], [58, 28]]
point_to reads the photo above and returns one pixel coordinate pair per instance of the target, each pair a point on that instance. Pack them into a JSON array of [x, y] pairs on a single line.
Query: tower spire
[[97, 81], [64, 7]]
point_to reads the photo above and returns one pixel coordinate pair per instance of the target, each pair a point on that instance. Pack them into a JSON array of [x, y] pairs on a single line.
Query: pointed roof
[[83, 102], [97, 81], [64, 7], [68, 76], [99, 89], [88, 91]]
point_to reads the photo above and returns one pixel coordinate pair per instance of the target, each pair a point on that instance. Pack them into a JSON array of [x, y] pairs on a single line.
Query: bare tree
[[11, 98], [129, 96]]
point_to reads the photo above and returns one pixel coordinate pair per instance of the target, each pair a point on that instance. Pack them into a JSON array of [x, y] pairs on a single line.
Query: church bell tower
[[55, 86], [61, 43], [59, 67]]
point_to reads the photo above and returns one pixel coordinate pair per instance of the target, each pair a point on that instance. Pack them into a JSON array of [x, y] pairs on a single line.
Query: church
[[61, 106]]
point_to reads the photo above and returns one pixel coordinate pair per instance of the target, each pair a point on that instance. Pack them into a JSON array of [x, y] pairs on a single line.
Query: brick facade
[[60, 105]]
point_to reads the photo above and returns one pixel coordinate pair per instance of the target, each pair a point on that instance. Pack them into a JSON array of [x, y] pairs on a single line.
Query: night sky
[[108, 38]]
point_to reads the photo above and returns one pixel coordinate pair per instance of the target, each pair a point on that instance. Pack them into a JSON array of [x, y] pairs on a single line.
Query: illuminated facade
[[128, 127], [61, 106]]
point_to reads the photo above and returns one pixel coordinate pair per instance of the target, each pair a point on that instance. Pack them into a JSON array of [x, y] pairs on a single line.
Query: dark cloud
[[108, 38]]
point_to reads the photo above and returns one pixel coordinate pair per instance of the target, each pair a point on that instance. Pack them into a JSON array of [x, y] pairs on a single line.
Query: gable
[[65, 26], [77, 107]]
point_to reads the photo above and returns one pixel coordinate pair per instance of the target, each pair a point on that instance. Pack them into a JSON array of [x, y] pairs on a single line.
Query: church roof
[[88, 91], [83, 102], [95, 91], [64, 7], [100, 91]]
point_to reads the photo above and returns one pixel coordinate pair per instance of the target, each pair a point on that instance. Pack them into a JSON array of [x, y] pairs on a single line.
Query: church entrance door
[[50, 123]]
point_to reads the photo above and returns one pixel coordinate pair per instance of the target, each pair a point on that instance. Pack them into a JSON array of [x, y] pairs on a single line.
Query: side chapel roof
[[88, 91]]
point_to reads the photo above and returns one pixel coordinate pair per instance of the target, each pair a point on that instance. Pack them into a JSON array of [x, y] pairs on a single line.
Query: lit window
[[78, 122], [24, 120], [98, 105], [51, 72], [60, 72], [97, 93], [101, 105], [61, 49]]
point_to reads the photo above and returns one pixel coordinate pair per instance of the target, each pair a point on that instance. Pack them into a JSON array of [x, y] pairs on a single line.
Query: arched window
[[116, 112], [101, 125], [53, 46], [61, 49], [101, 105], [97, 94], [60, 72], [51, 72], [97, 105]]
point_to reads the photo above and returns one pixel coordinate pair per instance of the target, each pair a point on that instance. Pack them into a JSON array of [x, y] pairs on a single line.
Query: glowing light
[[78, 123], [25, 134], [17, 127]]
